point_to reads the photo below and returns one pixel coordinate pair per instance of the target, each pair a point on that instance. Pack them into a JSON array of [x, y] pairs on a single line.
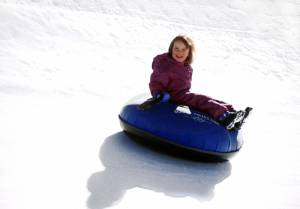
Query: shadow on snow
[[129, 165]]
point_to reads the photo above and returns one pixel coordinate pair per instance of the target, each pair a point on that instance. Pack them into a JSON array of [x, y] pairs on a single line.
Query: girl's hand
[[162, 96]]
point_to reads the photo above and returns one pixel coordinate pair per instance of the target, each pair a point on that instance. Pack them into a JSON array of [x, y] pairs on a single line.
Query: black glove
[[157, 98]]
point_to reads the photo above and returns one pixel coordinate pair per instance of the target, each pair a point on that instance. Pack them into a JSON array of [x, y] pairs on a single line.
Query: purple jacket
[[175, 78], [170, 75]]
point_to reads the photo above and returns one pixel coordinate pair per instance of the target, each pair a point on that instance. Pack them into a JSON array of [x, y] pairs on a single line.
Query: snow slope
[[67, 67]]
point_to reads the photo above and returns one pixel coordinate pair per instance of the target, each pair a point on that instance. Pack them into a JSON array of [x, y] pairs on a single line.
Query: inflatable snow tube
[[179, 127]]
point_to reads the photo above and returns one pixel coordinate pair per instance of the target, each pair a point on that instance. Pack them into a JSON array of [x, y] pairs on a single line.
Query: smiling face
[[180, 51]]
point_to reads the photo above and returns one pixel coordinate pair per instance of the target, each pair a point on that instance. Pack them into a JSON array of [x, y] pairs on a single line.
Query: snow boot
[[239, 124], [234, 120]]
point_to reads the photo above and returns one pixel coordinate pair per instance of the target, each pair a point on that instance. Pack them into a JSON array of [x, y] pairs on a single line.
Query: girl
[[171, 79]]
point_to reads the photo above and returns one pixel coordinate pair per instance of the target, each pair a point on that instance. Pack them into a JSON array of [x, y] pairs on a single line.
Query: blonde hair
[[188, 42]]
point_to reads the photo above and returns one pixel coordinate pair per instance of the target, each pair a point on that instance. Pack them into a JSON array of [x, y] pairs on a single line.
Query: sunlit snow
[[68, 67]]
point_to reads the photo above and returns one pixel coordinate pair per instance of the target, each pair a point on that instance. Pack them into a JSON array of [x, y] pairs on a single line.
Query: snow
[[67, 68]]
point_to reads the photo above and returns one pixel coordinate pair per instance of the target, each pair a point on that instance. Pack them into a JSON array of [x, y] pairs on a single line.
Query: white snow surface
[[68, 67]]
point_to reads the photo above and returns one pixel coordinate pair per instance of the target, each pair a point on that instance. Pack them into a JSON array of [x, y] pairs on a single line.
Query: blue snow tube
[[182, 128]]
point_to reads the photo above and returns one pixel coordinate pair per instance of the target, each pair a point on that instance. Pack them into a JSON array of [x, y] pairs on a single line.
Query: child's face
[[180, 52]]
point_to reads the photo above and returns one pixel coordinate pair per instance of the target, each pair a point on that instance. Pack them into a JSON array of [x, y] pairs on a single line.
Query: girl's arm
[[159, 78]]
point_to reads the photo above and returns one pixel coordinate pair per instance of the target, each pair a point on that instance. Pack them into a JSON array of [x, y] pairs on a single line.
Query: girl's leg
[[203, 103]]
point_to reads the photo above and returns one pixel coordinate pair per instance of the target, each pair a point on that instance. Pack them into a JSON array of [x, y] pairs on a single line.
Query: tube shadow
[[128, 165]]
